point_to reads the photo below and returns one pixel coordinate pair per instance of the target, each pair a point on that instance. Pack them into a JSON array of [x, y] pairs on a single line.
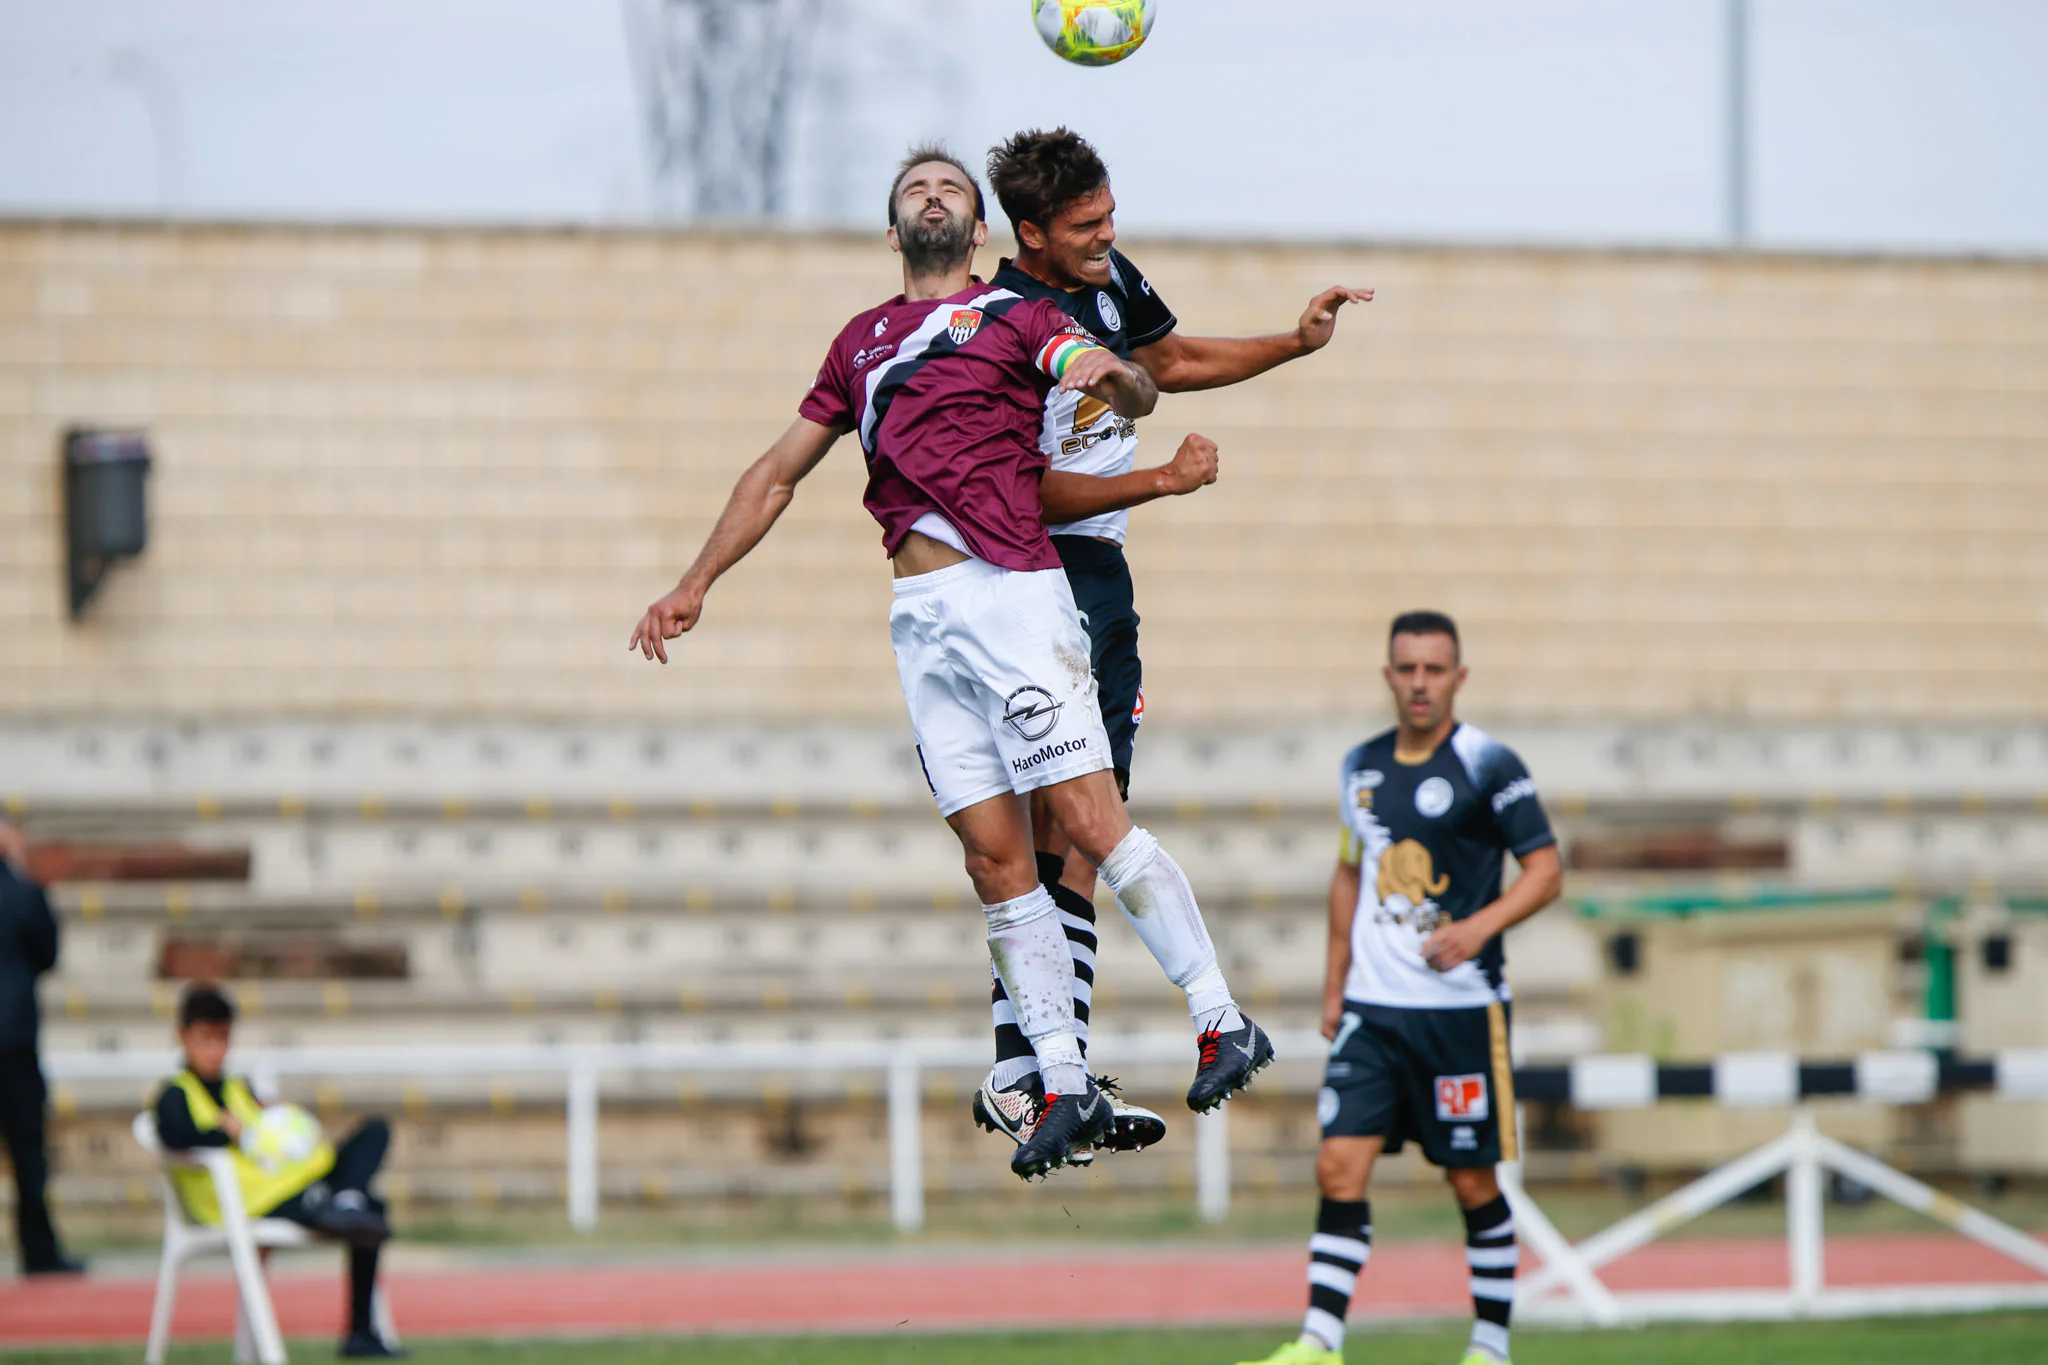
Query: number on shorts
[[1344, 1032]]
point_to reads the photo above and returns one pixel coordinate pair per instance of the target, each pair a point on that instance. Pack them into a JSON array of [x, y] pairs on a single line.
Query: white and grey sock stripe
[[1341, 1246], [1492, 1256]]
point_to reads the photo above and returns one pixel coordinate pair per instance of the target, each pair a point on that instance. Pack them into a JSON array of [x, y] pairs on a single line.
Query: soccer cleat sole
[[1131, 1133]]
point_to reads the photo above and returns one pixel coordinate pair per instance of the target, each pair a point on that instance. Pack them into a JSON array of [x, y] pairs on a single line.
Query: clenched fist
[[1193, 466]]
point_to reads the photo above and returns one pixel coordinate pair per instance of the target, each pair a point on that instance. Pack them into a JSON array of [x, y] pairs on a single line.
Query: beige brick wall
[[442, 472]]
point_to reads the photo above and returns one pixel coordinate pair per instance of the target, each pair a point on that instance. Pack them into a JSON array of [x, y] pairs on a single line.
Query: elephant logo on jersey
[[1408, 879], [966, 322]]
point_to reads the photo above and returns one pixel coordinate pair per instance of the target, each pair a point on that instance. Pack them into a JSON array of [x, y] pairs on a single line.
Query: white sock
[[1029, 948], [1155, 897]]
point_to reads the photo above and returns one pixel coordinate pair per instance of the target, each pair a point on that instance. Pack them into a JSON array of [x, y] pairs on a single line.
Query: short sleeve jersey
[[1428, 839], [947, 397], [1081, 435]]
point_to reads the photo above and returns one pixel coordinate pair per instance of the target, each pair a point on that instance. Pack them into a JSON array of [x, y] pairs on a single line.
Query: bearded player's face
[[1078, 239], [934, 216]]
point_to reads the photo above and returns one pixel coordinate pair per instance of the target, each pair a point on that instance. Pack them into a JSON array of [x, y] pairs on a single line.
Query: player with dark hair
[[946, 385], [1415, 1003], [1055, 190]]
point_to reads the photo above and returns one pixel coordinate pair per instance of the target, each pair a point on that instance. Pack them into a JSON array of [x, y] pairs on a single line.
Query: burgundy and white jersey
[[948, 397]]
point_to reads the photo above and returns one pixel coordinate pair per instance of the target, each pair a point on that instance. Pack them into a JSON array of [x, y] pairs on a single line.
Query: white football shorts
[[995, 670]]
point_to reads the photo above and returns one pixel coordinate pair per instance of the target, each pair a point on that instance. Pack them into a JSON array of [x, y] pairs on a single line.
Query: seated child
[[329, 1191]]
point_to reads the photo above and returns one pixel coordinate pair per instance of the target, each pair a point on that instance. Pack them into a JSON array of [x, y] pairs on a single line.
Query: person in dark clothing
[[328, 1190], [28, 948]]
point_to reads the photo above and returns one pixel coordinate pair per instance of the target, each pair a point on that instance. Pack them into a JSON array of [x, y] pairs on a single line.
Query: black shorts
[[1440, 1078], [1101, 580]]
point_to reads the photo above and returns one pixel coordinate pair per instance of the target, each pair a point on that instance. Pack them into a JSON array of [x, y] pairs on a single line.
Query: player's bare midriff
[[919, 553]]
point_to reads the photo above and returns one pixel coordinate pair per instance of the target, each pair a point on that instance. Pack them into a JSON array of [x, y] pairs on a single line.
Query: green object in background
[[1678, 904], [1940, 957]]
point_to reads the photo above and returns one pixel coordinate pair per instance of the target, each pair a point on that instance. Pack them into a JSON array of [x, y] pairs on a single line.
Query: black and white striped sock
[[1014, 1058], [1338, 1251], [1491, 1252]]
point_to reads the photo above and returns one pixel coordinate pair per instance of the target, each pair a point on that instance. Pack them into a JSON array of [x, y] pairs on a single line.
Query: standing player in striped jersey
[[1055, 190], [946, 385], [1415, 1004]]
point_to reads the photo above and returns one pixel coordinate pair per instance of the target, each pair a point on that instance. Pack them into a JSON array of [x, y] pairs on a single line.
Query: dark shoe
[[357, 1225], [1228, 1063], [1068, 1124], [1014, 1112], [368, 1346], [63, 1265], [1133, 1127]]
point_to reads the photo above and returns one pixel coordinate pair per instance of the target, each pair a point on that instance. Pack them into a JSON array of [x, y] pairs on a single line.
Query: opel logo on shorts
[[1032, 712]]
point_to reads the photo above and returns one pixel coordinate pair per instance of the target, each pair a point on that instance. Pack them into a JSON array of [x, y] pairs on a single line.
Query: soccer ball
[[282, 1136], [1094, 32]]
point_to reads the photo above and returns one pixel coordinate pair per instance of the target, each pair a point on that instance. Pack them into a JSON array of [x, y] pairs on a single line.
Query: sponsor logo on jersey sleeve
[[1433, 798], [1513, 792], [1461, 1098]]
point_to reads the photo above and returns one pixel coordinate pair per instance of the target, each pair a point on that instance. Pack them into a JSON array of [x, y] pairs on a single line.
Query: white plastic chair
[[248, 1243]]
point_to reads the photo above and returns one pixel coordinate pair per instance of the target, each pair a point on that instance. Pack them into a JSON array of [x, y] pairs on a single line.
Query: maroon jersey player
[[945, 386]]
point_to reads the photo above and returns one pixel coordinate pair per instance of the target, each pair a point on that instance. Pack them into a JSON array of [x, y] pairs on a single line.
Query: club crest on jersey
[[966, 322], [1433, 798], [1106, 306], [1461, 1098]]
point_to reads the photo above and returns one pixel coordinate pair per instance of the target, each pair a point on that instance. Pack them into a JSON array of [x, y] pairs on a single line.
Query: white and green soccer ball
[[283, 1135], [1094, 32]]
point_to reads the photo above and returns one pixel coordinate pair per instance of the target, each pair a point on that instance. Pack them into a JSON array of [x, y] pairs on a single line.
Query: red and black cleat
[[1228, 1063], [1068, 1125]]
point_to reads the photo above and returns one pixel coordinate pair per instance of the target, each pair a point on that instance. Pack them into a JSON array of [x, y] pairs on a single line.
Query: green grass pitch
[[1997, 1339]]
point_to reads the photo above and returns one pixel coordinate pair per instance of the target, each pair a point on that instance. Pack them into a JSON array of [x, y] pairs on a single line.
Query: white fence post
[[1212, 1165], [1803, 1231], [583, 1144], [906, 1141]]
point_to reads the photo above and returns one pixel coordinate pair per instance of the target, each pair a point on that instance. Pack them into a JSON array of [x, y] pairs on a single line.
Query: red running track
[[929, 1290]]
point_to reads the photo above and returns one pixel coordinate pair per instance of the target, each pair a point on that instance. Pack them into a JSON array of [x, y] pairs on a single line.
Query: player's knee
[[1473, 1185], [1095, 821], [999, 877], [1341, 1174]]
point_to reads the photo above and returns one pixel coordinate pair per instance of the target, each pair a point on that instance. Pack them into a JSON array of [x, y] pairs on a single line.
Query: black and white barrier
[[1567, 1288]]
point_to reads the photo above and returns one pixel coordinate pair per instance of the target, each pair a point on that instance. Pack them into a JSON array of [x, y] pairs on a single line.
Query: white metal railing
[[581, 1066], [1596, 1082]]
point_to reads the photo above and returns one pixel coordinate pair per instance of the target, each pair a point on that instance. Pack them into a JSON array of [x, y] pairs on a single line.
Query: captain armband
[[1349, 852]]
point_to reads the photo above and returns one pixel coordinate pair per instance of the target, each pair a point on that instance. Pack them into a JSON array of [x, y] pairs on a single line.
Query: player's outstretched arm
[[1541, 882], [1343, 905], [757, 500], [1076, 497], [1127, 388], [1181, 363]]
